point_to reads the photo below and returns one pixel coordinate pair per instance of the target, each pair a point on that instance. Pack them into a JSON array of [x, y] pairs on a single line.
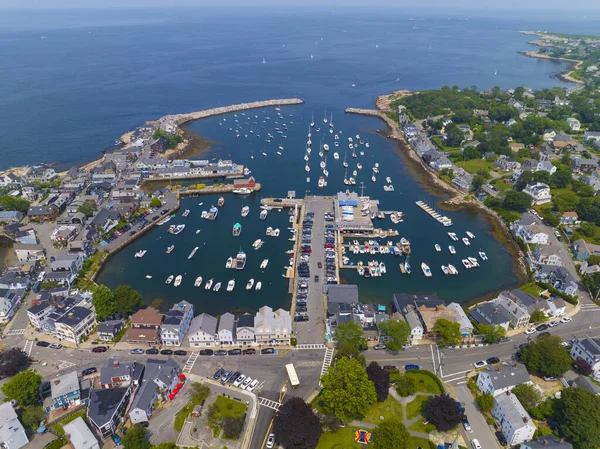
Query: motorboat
[[438, 248], [388, 180], [217, 287], [452, 270], [264, 264], [263, 214], [164, 220], [198, 281], [321, 182], [148, 276], [359, 166], [306, 157], [352, 181], [221, 202], [354, 173], [322, 164], [240, 260], [178, 280], [204, 214], [467, 263], [197, 231], [470, 235], [407, 267], [473, 261], [212, 213], [231, 285], [257, 244], [237, 229], [453, 236], [466, 241], [275, 232], [445, 269], [229, 262], [250, 284], [326, 147], [193, 252], [452, 249], [140, 254], [170, 249], [258, 285], [177, 229], [242, 191], [170, 279], [483, 255], [373, 178], [208, 284], [185, 213], [426, 269], [336, 155], [245, 211]]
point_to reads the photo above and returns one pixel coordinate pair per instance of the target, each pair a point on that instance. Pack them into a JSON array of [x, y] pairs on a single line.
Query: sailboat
[[345, 163], [331, 120], [325, 118], [312, 120], [264, 60]]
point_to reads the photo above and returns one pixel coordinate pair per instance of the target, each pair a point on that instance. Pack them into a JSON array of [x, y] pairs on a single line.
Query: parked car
[[43, 344], [253, 386], [249, 351], [319, 264], [541, 327], [480, 364], [270, 441], [493, 360], [234, 352], [152, 351], [166, 352], [267, 351], [137, 351], [221, 352], [566, 319], [467, 425], [234, 377], [316, 278], [218, 373], [88, 371], [116, 438], [55, 346], [100, 349], [246, 382], [206, 352], [543, 334], [389, 367], [239, 380], [475, 443], [531, 330], [411, 367], [503, 340], [379, 346], [553, 323], [180, 352]]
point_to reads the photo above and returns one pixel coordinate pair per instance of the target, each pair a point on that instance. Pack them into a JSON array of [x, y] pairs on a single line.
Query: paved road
[[480, 428]]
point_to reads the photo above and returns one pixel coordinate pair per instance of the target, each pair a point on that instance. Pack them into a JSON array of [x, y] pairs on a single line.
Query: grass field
[[418, 426], [414, 407], [500, 185], [531, 288], [425, 384], [474, 165], [390, 408], [344, 439]]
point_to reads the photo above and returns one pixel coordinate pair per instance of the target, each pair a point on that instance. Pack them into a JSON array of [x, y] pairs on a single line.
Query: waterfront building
[[499, 380], [108, 330], [14, 281], [203, 331], [226, 329], [559, 278], [517, 425], [272, 327], [10, 181], [466, 327], [244, 330], [12, 432], [546, 255], [348, 211], [40, 174], [79, 435], [176, 323], [529, 231], [490, 313]]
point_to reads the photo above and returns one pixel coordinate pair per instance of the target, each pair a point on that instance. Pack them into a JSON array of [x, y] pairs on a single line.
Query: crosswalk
[[190, 362], [63, 364], [15, 332], [311, 346], [589, 307], [28, 347], [269, 403], [327, 361]]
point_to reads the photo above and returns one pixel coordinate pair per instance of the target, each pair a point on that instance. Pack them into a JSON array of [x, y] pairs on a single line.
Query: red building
[[247, 183]]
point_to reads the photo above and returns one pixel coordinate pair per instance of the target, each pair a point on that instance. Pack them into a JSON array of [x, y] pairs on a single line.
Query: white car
[[246, 383], [531, 330], [137, 351], [253, 386], [55, 346], [566, 320], [270, 441], [553, 323], [239, 380], [475, 443], [480, 364]]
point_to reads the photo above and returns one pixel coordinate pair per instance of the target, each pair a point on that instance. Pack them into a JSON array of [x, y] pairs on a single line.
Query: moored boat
[[231, 285], [258, 285], [198, 281], [452, 269], [140, 254], [438, 248], [257, 244], [426, 269], [245, 211], [193, 252], [453, 236], [221, 202], [264, 264], [470, 234], [170, 249], [250, 284], [240, 261], [483, 255], [242, 191], [208, 284], [217, 287], [185, 213], [466, 241], [452, 249], [229, 262], [178, 280], [263, 214], [467, 263], [445, 269], [169, 279], [237, 229]]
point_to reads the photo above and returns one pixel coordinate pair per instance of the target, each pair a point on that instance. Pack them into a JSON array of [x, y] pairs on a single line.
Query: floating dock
[[445, 221]]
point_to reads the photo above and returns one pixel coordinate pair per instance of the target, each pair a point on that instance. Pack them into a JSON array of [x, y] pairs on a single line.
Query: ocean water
[[72, 81]]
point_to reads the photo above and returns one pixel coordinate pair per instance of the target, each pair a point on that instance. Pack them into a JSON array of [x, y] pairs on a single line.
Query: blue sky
[[478, 4]]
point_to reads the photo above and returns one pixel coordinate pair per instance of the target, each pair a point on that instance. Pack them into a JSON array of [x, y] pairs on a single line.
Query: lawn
[[474, 165], [531, 288], [182, 414], [414, 407], [423, 443], [223, 407], [500, 185], [418, 426], [344, 439], [390, 408], [425, 384]]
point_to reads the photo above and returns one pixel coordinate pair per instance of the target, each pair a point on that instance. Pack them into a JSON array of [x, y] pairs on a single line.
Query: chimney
[[498, 369], [71, 315], [515, 365], [115, 363], [525, 420], [545, 442], [507, 392]]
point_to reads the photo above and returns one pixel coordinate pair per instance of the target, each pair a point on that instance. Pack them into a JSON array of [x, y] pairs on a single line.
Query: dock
[[445, 221], [282, 202], [226, 188]]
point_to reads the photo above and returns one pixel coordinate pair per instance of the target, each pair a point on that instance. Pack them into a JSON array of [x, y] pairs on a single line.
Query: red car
[[100, 349], [328, 245], [320, 265]]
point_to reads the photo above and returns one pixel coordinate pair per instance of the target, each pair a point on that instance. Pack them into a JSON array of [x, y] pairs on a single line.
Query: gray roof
[[204, 322], [104, 403], [497, 315], [401, 300], [591, 345], [11, 428], [64, 384], [80, 435], [508, 376], [109, 327], [109, 370], [155, 369], [587, 384], [514, 412], [547, 442], [75, 316], [342, 293], [226, 322], [246, 320]]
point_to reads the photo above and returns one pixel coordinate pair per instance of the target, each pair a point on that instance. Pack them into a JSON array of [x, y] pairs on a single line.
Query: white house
[[9, 301], [38, 312], [540, 192], [12, 432], [574, 124], [272, 327], [498, 380], [587, 349], [26, 252], [80, 436], [517, 425], [244, 330], [176, 323], [547, 255], [531, 233], [226, 329], [76, 324], [203, 331]]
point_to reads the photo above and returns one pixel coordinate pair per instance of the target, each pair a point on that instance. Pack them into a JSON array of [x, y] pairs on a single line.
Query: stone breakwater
[[190, 116]]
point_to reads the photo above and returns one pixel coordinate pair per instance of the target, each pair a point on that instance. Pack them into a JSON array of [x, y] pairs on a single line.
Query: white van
[[475, 443], [253, 386]]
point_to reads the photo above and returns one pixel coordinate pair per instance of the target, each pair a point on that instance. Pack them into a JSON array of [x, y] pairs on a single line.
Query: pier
[[226, 188], [437, 217], [282, 202]]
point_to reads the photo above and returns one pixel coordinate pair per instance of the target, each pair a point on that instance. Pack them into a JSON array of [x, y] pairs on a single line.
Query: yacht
[[466, 241], [170, 249], [169, 279], [445, 269], [257, 244], [467, 263], [237, 229], [258, 285], [212, 213], [452, 249], [336, 155], [245, 211], [231, 285], [473, 261], [470, 235], [217, 287], [264, 264], [438, 248], [452, 270], [240, 261], [185, 213], [209, 284], [250, 284], [221, 202], [177, 229], [453, 236], [229, 262], [242, 191], [140, 254], [426, 269], [483, 255], [198, 281], [178, 280], [193, 252], [263, 214]]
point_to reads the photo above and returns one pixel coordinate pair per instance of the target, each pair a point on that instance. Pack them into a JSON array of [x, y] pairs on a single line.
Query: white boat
[[467, 263], [164, 220], [376, 164], [445, 269], [198, 281], [140, 254], [452, 269], [483, 255], [185, 213], [269, 231], [200, 204], [240, 261], [169, 279], [193, 252], [209, 284], [359, 166], [438, 248], [326, 147], [242, 191], [217, 287], [367, 144], [275, 232], [452, 249], [355, 173], [375, 170], [257, 244], [321, 182], [306, 157], [352, 181], [426, 269], [466, 241], [229, 262], [336, 155], [245, 211], [197, 231], [148, 276], [264, 264], [322, 164], [177, 229], [178, 280], [250, 284], [473, 261], [258, 285], [231, 285], [263, 214], [470, 235], [373, 178], [204, 214], [307, 168], [453, 236], [388, 180]]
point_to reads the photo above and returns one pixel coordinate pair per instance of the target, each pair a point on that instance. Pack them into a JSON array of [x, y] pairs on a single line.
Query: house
[[466, 327], [105, 220], [498, 380], [68, 262], [547, 255], [144, 335], [582, 250], [272, 327], [244, 330], [12, 432], [10, 216], [490, 313], [510, 122], [14, 281], [569, 218], [42, 213], [64, 234], [592, 135], [10, 181], [562, 280], [530, 233], [65, 391], [226, 329], [574, 124], [26, 237], [79, 435], [584, 165], [30, 193], [9, 303], [561, 101], [512, 303], [504, 163], [76, 324], [105, 409], [549, 135], [462, 182], [588, 349], [147, 319], [108, 330], [40, 174], [117, 374], [244, 183], [176, 324], [38, 312], [203, 331], [408, 305], [517, 425], [341, 296], [547, 442]]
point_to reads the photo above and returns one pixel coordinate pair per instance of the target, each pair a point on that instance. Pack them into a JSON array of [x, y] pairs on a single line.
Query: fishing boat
[[466, 241], [237, 229], [208, 284], [229, 262], [452, 249], [264, 264], [242, 191], [445, 269], [240, 261], [245, 211], [185, 213], [164, 220], [231, 285], [453, 236], [263, 214], [438, 248], [217, 287], [212, 213], [257, 244], [483, 255], [470, 234], [250, 284], [193, 252], [198, 281], [221, 202], [169, 279], [452, 269], [170, 249], [177, 229], [426, 269], [258, 285], [467, 263], [140, 254], [178, 280]]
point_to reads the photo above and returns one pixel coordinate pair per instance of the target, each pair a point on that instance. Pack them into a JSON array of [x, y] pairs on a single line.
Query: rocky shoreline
[[566, 75]]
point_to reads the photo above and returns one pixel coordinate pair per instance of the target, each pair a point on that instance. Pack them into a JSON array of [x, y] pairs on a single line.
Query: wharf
[[376, 234], [436, 216], [282, 202], [228, 188], [160, 178]]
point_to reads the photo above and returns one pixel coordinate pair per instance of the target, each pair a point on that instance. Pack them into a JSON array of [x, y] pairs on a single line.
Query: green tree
[[485, 402], [547, 356], [502, 113], [525, 178], [8, 202], [297, 427], [443, 412], [23, 388], [593, 259], [471, 153], [32, 415], [537, 316], [448, 331], [587, 229], [104, 302], [398, 331], [126, 299], [347, 391], [380, 379], [350, 340], [454, 136], [391, 434], [406, 385], [586, 191], [517, 201], [199, 392], [232, 426], [155, 202], [167, 445], [578, 417], [551, 218], [560, 178], [87, 208], [528, 395], [478, 181], [491, 332], [135, 438]]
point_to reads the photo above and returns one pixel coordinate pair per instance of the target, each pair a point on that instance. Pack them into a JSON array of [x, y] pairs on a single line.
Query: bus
[[294, 381]]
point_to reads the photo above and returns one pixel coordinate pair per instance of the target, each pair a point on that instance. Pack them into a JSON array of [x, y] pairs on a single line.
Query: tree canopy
[[12, 361], [391, 434], [103, 300], [381, 380], [578, 417], [398, 331], [24, 388], [406, 385], [443, 412], [135, 438], [547, 356], [347, 391], [528, 395], [350, 340], [8, 202], [32, 415], [485, 402], [87, 208], [448, 332], [126, 299], [517, 201], [155, 202], [491, 332], [537, 316], [296, 426]]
